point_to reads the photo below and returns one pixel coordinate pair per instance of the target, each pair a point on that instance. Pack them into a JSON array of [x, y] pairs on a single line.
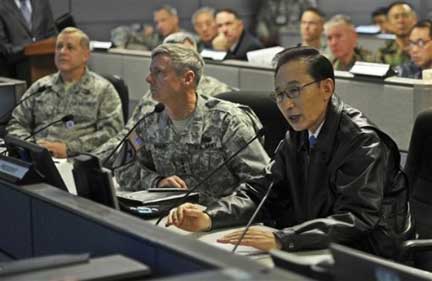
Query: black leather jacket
[[348, 189]]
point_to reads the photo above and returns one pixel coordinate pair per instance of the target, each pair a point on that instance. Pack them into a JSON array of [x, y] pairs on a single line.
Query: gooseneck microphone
[[252, 218], [259, 134], [158, 108], [37, 91], [64, 119]]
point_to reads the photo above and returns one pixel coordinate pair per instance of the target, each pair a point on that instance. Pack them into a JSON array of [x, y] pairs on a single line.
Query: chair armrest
[[411, 247]]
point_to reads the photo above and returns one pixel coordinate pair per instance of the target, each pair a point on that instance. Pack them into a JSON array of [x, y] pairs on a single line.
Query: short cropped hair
[[316, 11], [380, 11], [229, 11], [339, 19], [318, 66], [424, 24], [203, 10], [397, 3], [182, 59], [169, 9], [84, 39], [180, 37]]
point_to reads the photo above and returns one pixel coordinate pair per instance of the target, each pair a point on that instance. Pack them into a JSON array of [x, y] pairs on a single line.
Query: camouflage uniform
[[280, 16], [92, 101], [133, 38], [208, 86], [216, 131], [360, 54], [392, 54]]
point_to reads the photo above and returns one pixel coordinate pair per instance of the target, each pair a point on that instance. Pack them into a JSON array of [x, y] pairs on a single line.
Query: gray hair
[[180, 38], [169, 9], [339, 19], [202, 10], [182, 59], [84, 39]]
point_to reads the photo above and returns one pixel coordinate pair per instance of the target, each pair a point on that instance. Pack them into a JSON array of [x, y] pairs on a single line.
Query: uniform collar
[[83, 85]]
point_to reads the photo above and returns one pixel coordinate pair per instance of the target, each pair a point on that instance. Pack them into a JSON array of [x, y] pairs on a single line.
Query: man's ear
[[327, 86], [189, 77]]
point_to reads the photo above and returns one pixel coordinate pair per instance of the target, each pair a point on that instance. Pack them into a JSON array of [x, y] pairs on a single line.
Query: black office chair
[[123, 91], [267, 111], [419, 171]]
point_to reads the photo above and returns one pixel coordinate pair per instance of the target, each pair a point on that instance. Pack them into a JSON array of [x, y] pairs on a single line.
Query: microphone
[[158, 108], [64, 119], [252, 218], [259, 134], [37, 91]]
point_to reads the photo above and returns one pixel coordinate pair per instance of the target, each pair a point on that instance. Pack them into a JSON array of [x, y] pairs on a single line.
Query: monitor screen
[[94, 182], [41, 168]]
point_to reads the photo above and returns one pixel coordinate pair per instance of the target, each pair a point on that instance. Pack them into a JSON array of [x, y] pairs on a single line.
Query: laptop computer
[[355, 265]]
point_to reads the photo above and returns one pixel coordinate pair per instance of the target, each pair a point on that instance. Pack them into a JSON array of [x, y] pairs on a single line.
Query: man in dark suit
[[21, 23], [236, 39]]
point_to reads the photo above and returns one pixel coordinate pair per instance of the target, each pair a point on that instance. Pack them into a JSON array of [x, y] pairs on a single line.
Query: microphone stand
[[252, 218]]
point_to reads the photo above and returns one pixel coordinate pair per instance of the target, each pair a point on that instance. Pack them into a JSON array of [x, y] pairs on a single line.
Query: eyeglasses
[[291, 92], [419, 43]]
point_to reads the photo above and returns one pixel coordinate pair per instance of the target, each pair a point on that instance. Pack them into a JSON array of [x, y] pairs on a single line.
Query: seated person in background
[[208, 86], [166, 21], [276, 17], [401, 18], [336, 175], [75, 90], [233, 37], [312, 27], [22, 23], [204, 23], [420, 51], [379, 18], [193, 135], [342, 42]]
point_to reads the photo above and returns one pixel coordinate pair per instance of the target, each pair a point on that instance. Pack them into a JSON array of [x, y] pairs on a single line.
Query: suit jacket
[[15, 34], [246, 43]]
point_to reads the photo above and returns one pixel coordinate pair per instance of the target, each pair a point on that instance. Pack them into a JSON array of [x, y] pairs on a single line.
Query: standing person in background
[[312, 27], [22, 22], [401, 18], [205, 26], [275, 17]]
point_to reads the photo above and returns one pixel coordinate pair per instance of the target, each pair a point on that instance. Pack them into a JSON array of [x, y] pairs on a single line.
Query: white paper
[[214, 55], [263, 57]]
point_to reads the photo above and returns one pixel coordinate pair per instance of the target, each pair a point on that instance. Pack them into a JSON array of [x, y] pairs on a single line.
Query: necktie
[[312, 141], [26, 12]]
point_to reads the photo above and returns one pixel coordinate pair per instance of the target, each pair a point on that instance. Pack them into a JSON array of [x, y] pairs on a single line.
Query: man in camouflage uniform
[[208, 86], [193, 135], [401, 18], [75, 90], [130, 37], [342, 42], [275, 17]]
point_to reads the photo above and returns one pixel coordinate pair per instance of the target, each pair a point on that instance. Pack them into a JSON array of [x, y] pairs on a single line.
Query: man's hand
[[57, 149], [255, 237], [189, 217], [172, 181]]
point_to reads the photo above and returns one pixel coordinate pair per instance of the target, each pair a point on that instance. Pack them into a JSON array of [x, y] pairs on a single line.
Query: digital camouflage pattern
[[217, 130], [207, 86], [92, 101], [392, 54], [360, 54]]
